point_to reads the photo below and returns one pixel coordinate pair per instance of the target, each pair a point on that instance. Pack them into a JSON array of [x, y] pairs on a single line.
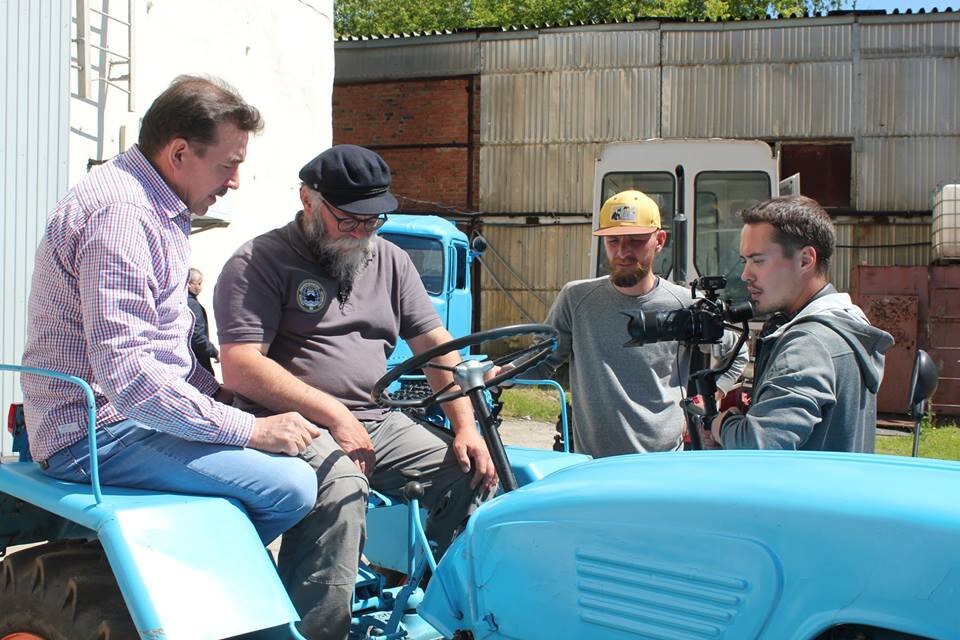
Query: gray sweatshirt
[[816, 386], [625, 399]]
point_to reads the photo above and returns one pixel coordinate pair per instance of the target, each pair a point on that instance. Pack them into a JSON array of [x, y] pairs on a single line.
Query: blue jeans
[[275, 490]]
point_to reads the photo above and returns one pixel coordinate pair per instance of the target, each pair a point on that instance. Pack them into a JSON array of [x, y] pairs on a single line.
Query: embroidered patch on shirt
[[311, 296]]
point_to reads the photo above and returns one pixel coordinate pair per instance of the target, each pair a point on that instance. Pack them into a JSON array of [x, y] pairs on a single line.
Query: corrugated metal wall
[[757, 82], [549, 103], [910, 113], [891, 86], [435, 56], [893, 241], [35, 79], [543, 256], [550, 99]]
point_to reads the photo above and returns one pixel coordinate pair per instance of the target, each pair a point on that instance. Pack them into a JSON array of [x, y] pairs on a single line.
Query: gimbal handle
[[705, 382]]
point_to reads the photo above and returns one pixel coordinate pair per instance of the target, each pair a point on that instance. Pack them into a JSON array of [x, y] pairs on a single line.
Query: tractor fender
[[187, 566]]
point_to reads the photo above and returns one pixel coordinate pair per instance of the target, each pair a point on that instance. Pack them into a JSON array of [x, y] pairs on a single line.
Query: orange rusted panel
[[937, 328], [897, 315], [944, 331]]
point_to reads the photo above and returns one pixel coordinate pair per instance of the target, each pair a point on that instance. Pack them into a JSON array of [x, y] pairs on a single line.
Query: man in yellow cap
[[625, 400]]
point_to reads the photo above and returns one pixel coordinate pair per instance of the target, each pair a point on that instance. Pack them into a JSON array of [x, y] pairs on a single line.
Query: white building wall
[[278, 54]]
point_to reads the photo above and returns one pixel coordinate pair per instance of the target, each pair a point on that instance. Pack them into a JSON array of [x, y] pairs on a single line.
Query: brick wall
[[422, 128]]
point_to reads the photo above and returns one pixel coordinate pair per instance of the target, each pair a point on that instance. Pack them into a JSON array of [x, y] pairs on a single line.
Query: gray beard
[[342, 259]]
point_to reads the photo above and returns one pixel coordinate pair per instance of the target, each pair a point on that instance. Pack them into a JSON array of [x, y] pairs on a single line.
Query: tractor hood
[[709, 544]]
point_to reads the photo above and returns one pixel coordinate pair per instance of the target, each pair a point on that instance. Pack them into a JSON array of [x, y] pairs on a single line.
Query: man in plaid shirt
[[109, 304]]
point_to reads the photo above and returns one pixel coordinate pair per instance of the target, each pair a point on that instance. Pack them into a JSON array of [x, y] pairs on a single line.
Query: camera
[[701, 323]]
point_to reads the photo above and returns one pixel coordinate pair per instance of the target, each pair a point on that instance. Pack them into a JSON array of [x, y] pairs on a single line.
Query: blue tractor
[[700, 545]]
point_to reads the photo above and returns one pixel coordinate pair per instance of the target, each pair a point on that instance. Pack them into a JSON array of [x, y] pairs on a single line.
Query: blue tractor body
[[175, 557], [677, 545]]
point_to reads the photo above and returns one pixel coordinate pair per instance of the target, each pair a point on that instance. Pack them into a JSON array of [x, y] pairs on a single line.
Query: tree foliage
[[378, 17]]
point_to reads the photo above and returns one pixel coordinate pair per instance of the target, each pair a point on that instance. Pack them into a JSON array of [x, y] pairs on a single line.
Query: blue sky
[[903, 5]]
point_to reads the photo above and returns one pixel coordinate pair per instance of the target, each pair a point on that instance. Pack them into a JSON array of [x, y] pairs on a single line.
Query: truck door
[[428, 256], [459, 318], [719, 196]]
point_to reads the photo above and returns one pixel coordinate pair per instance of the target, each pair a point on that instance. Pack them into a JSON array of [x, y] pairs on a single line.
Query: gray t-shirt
[[625, 399], [272, 291]]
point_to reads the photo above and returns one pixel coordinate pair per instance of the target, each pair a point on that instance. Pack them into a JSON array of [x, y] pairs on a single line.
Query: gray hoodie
[[816, 386]]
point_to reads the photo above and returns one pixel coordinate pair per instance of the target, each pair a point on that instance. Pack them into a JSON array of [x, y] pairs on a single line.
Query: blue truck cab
[[442, 255]]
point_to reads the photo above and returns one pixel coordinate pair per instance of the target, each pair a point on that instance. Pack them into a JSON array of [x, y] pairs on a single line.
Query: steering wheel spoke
[[441, 367]]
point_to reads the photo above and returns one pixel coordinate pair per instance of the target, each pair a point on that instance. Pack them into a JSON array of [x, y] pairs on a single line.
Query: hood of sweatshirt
[[838, 312]]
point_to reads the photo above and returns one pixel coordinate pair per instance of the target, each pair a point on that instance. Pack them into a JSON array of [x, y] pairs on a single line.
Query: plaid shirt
[[109, 304]]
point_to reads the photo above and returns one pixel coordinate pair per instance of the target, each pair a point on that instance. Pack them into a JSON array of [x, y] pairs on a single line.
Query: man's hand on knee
[[288, 433], [471, 452], [355, 442]]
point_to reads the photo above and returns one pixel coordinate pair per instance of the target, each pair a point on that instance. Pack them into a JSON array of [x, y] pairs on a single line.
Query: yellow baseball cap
[[628, 212]]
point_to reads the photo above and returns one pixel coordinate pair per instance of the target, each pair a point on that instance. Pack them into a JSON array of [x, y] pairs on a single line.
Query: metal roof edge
[[643, 23]]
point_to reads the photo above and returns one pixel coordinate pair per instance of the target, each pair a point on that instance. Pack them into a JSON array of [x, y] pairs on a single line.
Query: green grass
[[531, 403], [941, 442], [935, 442]]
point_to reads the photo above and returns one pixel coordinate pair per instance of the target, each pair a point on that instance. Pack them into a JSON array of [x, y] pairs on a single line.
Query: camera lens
[[739, 311], [646, 328]]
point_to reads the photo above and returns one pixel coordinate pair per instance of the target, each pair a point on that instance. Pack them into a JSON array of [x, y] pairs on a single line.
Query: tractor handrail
[[91, 416], [564, 421]]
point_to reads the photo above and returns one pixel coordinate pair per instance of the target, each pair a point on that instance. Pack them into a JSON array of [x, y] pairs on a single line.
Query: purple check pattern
[[108, 304]]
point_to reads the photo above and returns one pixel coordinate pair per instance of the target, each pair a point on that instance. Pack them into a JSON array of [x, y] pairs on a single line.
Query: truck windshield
[[427, 256], [720, 196], [660, 186]]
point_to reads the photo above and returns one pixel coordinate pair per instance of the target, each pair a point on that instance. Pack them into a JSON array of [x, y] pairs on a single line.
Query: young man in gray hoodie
[[819, 361]]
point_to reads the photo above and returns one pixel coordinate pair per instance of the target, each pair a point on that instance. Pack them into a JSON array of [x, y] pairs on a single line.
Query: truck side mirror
[[479, 244], [923, 383]]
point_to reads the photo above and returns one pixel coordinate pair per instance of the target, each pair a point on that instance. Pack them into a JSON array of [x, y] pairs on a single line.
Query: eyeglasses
[[351, 222]]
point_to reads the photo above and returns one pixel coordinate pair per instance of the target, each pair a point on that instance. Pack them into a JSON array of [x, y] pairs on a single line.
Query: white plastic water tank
[[945, 231]]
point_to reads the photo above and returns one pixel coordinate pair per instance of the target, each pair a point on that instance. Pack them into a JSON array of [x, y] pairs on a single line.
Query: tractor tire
[[61, 590]]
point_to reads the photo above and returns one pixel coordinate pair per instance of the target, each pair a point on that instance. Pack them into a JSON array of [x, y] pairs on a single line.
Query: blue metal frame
[[91, 416], [399, 623], [564, 420]]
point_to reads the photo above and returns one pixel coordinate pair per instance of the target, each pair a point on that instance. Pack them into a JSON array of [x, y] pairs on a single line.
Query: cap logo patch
[[311, 296], [624, 212]]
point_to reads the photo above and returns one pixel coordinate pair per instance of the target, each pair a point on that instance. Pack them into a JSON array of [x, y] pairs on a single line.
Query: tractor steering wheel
[[468, 375]]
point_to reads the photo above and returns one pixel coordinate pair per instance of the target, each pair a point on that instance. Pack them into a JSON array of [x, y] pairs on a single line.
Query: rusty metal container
[[920, 307]]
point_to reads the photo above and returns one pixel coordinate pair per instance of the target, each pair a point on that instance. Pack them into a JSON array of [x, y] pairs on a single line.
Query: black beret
[[351, 178]]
